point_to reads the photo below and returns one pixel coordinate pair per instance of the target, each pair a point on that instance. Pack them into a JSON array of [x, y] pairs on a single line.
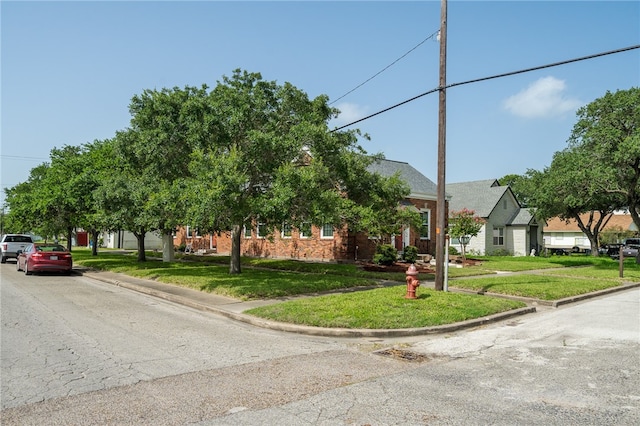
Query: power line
[[18, 157], [555, 64], [385, 68]]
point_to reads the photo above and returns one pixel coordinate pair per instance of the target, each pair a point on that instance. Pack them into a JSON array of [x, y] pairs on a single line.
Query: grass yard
[[543, 287], [385, 308], [252, 283], [380, 304]]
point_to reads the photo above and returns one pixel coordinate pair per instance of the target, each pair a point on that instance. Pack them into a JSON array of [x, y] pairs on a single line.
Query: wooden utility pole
[[441, 219]]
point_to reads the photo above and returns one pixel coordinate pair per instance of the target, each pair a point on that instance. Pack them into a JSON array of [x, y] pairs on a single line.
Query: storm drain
[[403, 355]]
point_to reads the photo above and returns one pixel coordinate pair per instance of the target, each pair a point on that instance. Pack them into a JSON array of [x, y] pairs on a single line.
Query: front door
[[406, 237]]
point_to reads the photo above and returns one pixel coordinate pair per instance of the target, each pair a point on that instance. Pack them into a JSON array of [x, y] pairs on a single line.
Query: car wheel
[[3, 260], [26, 269], [18, 266]]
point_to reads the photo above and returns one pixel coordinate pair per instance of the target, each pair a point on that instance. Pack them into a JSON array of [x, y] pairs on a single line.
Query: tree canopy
[[244, 152], [273, 160], [597, 173]]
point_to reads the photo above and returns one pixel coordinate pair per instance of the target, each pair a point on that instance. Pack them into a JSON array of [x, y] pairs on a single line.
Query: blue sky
[[69, 70]]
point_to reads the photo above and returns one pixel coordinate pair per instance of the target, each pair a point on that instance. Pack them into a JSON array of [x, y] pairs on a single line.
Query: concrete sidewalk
[[234, 308]]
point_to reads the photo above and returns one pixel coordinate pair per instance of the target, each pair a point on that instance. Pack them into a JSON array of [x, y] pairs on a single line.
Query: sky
[[70, 69]]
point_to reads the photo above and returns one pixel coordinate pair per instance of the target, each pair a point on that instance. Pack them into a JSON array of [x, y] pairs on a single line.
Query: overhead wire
[[385, 68], [476, 80]]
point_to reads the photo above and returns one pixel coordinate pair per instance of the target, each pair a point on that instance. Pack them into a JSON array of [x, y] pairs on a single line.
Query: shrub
[[499, 252], [386, 254], [410, 254], [453, 251]]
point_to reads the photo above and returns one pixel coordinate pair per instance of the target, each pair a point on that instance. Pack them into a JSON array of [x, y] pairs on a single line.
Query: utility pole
[[441, 255]]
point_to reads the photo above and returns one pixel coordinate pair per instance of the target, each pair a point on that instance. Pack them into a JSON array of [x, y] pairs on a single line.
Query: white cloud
[[543, 98], [349, 113]]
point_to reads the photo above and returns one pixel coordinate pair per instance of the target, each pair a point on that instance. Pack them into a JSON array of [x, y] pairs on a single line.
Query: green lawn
[[380, 304], [385, 308], [543, 287]]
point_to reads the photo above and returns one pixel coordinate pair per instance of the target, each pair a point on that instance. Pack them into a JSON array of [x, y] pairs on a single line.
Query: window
[[426, 225], [305, 230], [498, 236], [286, 230], [262, 230], [247, 231], [192, 232], [326, 231]]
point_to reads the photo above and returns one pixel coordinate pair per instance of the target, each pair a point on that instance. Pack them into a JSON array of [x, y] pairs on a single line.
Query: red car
[[38, 257]]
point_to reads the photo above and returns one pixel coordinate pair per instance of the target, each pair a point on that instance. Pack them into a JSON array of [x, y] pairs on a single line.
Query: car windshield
[[50, 247]]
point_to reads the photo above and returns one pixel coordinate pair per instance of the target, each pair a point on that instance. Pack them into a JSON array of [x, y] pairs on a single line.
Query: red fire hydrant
[[412, 282]]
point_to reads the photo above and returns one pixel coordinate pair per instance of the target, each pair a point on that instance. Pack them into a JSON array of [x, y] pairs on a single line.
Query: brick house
[[328, 243]]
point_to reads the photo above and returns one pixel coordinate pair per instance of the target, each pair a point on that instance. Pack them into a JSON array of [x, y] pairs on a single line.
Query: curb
[[348, 332], [604, 292], [308, 330]]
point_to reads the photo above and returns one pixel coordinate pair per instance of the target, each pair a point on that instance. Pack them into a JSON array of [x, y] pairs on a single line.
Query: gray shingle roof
[[481, 196], [420, 185], [524, 217]]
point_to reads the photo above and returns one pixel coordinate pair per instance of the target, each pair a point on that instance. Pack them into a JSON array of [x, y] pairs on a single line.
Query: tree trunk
[[142, 257], [167, 246], [69, 238], [234, 264], [94, 238]]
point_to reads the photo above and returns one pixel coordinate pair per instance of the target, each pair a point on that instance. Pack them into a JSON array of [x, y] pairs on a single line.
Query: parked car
[[611, 250], [560, 251], [11, 243], [39, 257], [631, 247]]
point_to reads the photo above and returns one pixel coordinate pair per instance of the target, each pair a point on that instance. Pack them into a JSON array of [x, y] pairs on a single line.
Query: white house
[[127, 241], [509, 228], [562, 234]]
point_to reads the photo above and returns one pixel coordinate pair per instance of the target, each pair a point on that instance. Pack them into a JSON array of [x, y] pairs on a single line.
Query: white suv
[[11, 243]]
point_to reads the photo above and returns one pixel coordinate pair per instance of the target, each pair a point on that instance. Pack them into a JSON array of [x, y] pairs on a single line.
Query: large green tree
[[608, 130], [23, 204], [273, 160], [123, 197], [55, 197], [597, 173], [97, 161], [570, 187], [166, 126]]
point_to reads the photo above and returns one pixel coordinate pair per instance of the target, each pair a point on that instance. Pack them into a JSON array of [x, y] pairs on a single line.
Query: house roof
[[523, 217], [617, 221], [420, 185], [481, 196]]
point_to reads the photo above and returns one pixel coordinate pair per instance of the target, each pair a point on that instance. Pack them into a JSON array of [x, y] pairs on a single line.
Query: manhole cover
[[403, 355]]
